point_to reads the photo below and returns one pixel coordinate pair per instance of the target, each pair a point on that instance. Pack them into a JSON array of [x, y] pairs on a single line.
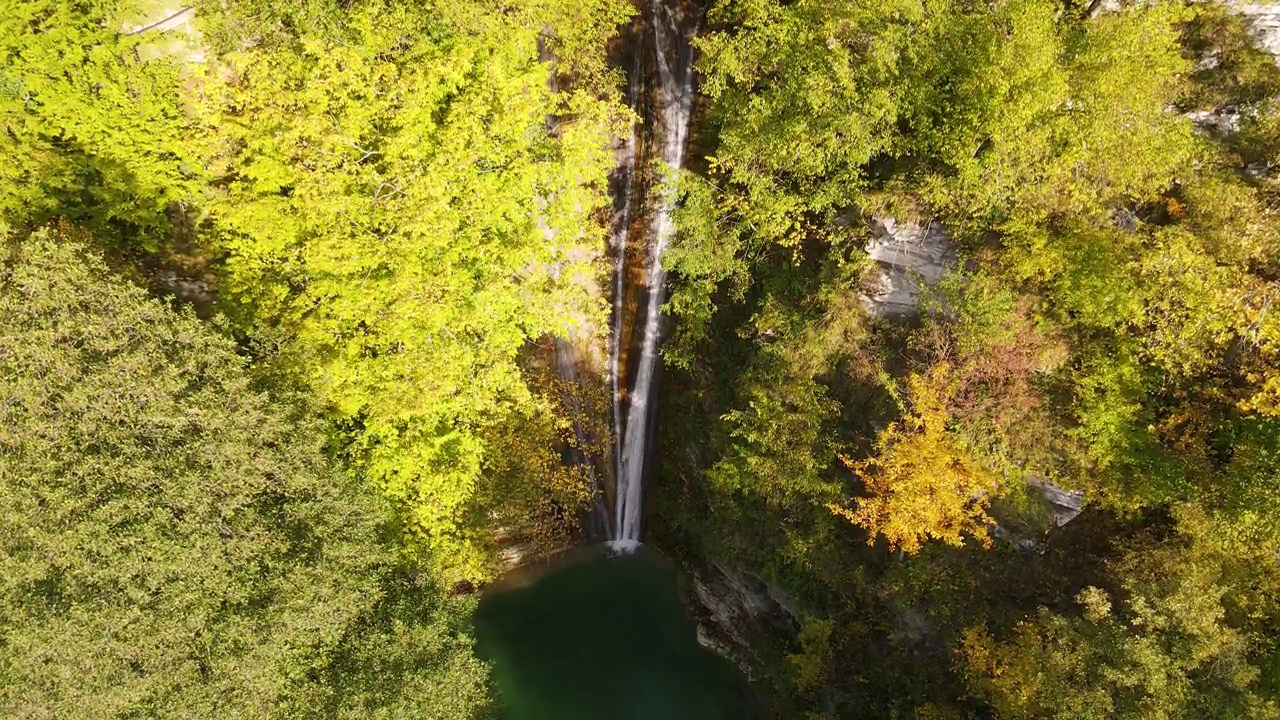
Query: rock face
[[1265, 18], [1065, 504], [730, 606], [910, 256]]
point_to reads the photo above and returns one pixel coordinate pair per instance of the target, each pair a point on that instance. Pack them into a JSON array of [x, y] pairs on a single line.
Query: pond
[[605, 639]]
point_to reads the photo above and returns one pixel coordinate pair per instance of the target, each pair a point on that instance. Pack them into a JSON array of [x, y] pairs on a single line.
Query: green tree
[[989, 112], [1112, 328], [399, 219], [1058, 116], [173, 541], [94, 129], [805, 94], [1165, 644]]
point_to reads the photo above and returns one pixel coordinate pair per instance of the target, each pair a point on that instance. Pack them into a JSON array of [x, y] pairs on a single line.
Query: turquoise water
[[604, 639]]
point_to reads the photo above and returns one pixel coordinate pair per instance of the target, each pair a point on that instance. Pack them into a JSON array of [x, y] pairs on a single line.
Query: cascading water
[[621, 231], [673, 98]]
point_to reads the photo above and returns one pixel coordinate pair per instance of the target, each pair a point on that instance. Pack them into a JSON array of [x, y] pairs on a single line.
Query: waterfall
[[674, 99], [621, 231]]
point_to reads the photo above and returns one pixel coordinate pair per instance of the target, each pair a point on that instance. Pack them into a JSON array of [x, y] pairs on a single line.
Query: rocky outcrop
[[730, 607], [910, 256], [1265, 20], [1064, 504]]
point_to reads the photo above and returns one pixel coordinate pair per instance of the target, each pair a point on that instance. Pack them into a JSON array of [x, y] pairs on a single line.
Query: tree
[[922, 482], [1164, 644], [173, 540], [998, 359], [95, 130], [400, 222], [805, 95], [1112, 328], [990, 112]]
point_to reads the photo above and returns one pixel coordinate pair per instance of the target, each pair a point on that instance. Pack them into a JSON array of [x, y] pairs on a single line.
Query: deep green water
[[605, 639]]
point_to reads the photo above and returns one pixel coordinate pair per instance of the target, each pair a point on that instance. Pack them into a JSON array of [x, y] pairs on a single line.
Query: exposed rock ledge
[[1265, 20], [911, 257], [733, 608]]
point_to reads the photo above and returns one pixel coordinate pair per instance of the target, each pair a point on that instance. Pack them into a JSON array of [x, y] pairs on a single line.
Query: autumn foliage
[[923, 483]]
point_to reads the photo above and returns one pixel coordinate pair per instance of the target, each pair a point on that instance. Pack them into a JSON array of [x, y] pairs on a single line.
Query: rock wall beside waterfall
[[732, 609]]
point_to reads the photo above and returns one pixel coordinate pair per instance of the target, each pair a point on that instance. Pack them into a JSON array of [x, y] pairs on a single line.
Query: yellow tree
[[923, 483]]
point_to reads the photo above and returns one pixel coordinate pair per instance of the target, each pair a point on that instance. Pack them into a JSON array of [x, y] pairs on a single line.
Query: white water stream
[[674, 97], [621, 231]]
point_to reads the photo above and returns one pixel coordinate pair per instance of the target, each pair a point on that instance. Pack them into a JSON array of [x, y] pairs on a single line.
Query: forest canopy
[[175, 541], [282, 284], [1104, 326], [261, 512]]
